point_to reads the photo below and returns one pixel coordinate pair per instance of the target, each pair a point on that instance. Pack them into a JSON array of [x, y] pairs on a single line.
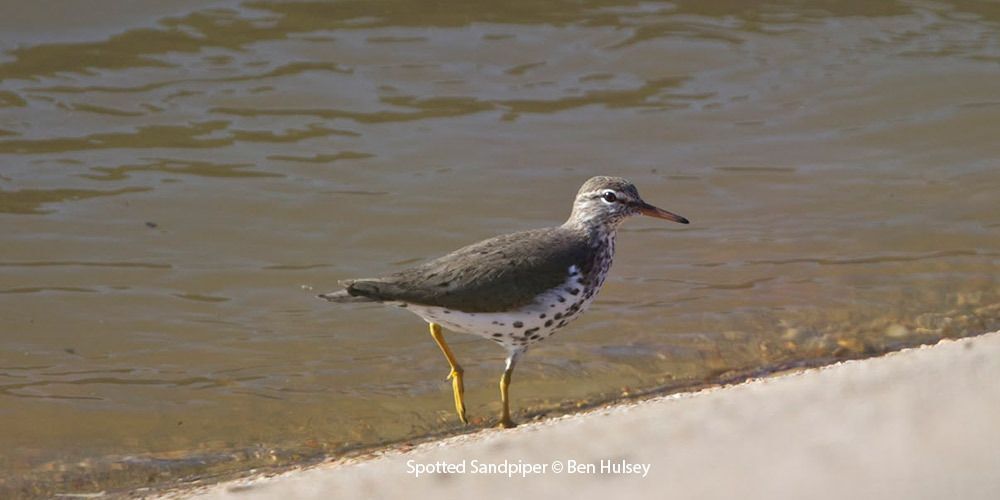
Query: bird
[[515, 289]]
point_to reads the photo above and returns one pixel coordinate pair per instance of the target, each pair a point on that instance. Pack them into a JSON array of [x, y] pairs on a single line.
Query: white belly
[[524, 326]]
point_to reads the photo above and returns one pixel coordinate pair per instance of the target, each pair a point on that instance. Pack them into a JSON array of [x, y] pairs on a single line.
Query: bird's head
[[607, 201]]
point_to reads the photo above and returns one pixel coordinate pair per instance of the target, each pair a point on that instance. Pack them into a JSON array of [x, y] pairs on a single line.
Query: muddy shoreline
[[896, 371]]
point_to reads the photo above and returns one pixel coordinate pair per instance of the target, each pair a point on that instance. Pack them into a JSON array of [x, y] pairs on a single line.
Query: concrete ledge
[[920, 423]]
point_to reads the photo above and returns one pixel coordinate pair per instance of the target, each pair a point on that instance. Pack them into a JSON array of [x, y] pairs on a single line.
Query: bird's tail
[[344, 296]]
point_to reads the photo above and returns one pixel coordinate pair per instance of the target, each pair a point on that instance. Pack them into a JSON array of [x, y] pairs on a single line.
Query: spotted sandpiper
[[515, 289]]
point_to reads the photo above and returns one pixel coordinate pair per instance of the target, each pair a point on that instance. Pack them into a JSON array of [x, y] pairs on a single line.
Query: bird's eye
[[609, 196]]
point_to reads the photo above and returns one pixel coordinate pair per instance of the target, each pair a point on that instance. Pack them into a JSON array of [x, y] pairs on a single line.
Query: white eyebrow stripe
[[593, 194]]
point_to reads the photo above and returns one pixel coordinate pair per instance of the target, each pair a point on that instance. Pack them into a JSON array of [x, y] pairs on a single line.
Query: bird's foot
[[459, 389], [506, 423]]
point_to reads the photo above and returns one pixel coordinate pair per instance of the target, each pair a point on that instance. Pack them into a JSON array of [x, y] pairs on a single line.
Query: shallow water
[[177, 182]]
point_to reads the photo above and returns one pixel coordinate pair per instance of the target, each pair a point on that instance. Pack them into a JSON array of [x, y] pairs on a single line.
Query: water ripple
[[185, 167], [291, 69], [73, 263], [27, 290], [31, 201], [880, 259]]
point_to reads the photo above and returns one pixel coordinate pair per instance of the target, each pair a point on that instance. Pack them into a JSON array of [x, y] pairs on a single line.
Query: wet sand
[[919, 423]]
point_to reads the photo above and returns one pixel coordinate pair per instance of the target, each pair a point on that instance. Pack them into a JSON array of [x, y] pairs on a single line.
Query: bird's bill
[[651, 211]]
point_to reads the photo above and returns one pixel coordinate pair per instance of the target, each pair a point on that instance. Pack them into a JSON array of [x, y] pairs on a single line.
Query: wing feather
[[498, 274]]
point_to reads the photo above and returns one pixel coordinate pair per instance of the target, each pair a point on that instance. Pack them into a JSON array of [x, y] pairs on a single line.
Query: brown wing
[[497, 274]]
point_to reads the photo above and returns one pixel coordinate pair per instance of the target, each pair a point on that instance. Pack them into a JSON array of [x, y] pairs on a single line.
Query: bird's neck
[[597, 234], [601, 240]]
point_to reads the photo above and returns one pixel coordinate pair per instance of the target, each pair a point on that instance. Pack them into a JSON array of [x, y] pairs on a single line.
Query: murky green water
[[177, 182]]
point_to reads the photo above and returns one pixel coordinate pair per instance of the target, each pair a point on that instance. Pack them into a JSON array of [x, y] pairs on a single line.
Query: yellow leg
[[505, 421], [456, 372]]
